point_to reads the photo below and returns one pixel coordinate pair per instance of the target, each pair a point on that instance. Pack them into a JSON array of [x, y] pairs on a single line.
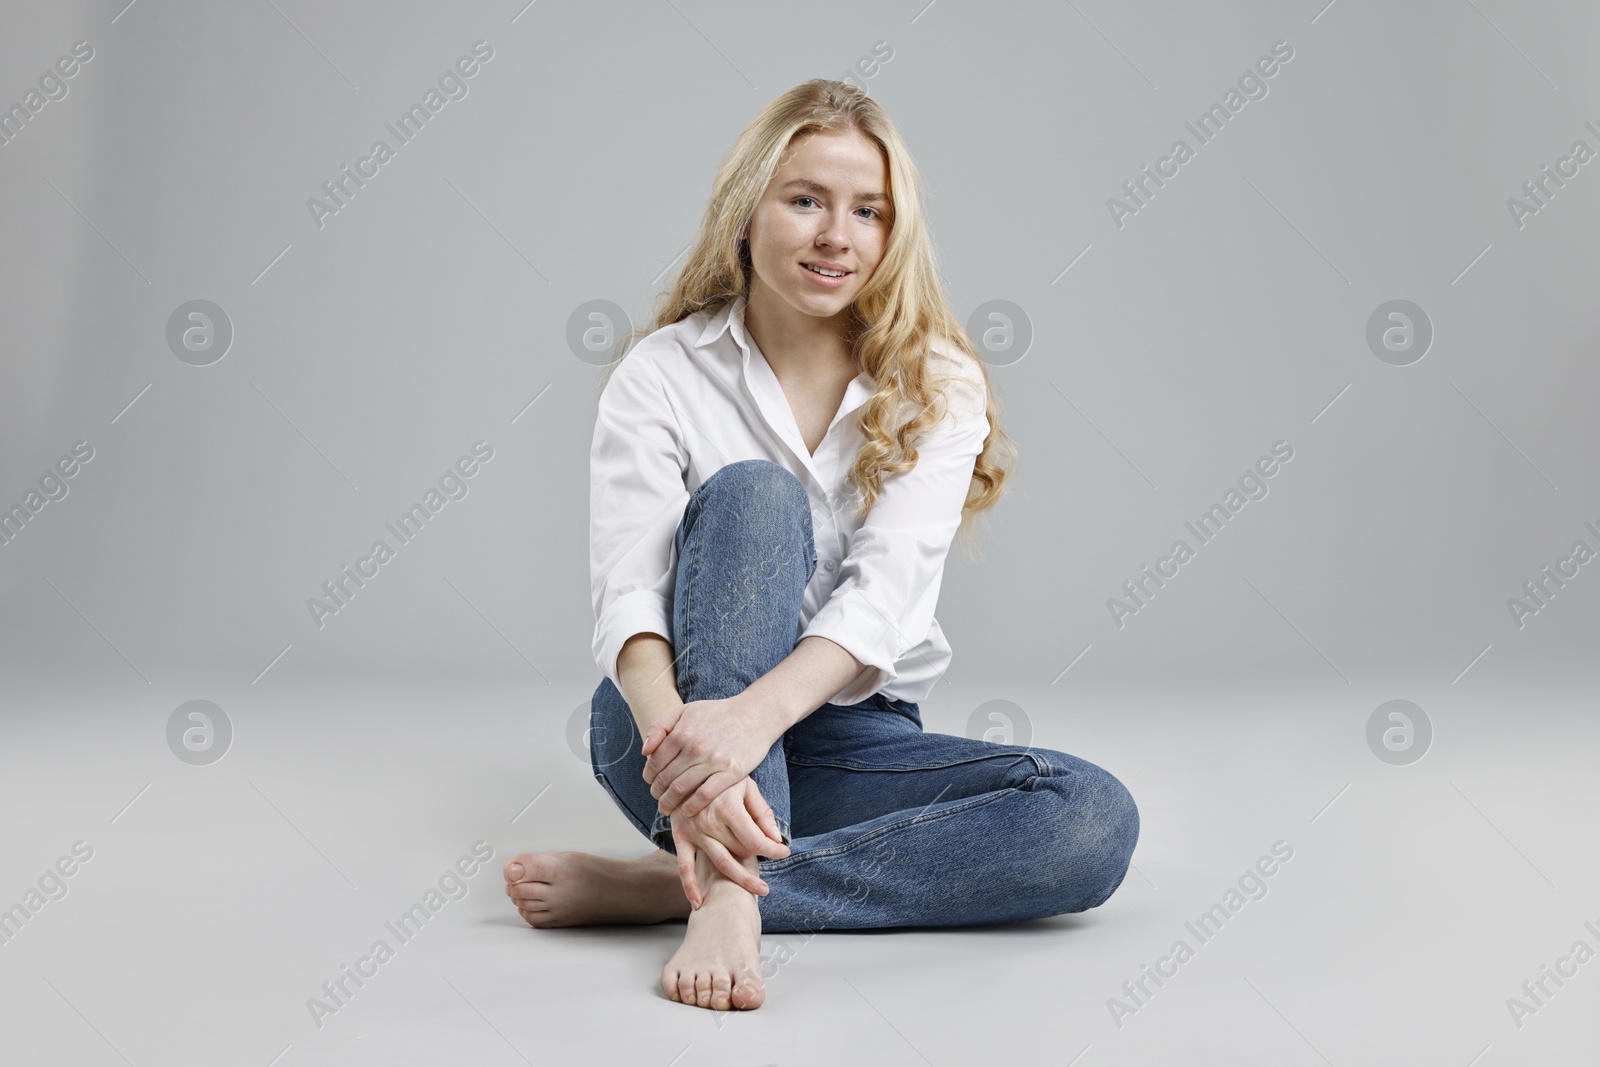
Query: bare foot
[[577, 889], [718, 966]]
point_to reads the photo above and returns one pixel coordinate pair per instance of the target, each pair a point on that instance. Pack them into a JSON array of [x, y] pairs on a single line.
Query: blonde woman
[[777, 473]]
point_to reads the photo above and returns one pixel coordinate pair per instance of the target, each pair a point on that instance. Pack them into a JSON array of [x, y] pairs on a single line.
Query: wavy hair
[[894, 322]]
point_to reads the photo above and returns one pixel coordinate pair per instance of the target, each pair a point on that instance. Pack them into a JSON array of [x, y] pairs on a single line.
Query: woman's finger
[[686, 782], [761, 811], [735, 871], [709, 790], [667, 765], [660, 771], [752, 842], [686, 852], [669, 775], [667, 749], [728, 822], [660, 729]]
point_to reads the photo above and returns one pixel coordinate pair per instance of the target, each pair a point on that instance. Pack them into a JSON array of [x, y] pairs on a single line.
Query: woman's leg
[[897, 827], [745, 556], [892, 826]]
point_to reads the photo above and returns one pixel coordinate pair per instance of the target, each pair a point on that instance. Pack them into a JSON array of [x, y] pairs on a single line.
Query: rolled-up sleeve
[[883, 603], [637, 495]]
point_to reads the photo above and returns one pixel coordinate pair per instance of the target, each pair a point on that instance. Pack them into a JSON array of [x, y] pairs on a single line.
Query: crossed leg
[[888, 825]]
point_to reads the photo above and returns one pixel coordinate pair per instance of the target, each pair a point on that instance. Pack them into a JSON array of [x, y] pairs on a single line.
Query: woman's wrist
[[769, 716], [653, 707]]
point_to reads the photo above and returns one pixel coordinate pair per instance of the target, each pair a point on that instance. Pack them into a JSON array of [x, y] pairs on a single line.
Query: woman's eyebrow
[[817, 187]]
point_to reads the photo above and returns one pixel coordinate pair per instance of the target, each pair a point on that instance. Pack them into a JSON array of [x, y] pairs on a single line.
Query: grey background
[[429, 313]]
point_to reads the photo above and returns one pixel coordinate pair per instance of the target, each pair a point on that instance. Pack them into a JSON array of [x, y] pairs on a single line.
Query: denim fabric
[[887, 825]]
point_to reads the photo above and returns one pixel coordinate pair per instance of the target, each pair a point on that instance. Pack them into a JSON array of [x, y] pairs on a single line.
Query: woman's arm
[[881, 607], [698, 749], [649, 678], [800, 684]]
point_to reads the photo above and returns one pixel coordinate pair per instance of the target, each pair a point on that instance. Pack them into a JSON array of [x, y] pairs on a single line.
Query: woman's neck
[[798, 347]]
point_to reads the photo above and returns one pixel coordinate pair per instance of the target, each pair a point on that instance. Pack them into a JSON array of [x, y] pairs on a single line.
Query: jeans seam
[[778, 866], [1039, 768], [688, 589]]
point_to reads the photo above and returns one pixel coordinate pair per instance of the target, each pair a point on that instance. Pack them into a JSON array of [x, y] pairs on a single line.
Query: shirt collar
[[729, 316]]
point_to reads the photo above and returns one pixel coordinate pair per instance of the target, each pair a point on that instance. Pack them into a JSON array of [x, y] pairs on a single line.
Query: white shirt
[[691, 398]]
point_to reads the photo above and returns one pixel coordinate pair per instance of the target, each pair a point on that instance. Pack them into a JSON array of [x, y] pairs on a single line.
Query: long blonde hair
[[899, 312]]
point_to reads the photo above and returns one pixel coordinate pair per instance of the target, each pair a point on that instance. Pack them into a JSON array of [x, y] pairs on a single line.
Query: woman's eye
[[805, 201]]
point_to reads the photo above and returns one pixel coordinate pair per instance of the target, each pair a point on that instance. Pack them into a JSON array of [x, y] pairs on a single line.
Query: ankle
[[712, 880]]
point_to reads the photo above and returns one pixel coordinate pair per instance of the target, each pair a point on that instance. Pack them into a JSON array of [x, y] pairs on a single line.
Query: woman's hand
[[699, 749], [736, 825]]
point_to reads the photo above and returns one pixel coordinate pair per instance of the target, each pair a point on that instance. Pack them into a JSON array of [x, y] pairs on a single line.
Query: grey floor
[[219, 898]]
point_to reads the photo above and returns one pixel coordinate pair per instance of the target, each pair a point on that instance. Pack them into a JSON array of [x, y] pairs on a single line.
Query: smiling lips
[[835, 273]]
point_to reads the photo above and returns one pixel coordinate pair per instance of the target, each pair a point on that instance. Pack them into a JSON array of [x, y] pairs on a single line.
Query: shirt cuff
[[642, 611], [862, 629]]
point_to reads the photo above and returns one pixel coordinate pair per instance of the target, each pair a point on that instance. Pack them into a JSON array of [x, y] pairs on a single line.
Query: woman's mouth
[[827, 276]]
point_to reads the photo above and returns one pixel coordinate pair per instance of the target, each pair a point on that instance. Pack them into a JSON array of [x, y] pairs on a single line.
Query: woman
[[777, 473]]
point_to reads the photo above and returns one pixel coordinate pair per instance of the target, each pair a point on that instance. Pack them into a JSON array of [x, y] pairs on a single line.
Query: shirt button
[[828, 564]]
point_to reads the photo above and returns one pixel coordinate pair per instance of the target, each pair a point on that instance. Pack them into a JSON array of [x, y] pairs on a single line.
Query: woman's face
[[827, 206]]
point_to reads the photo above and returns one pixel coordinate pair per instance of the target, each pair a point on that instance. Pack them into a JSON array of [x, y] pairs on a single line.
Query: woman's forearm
[[649, 678], [793, 689], [801, 683]]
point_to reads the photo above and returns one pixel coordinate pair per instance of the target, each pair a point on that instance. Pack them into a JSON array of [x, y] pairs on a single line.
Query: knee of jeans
[[759, 479], [1095, 835], [1106, 805], [1107, 802]]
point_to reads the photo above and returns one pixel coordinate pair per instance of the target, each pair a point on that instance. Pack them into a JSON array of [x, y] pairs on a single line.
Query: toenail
[[516, 871]]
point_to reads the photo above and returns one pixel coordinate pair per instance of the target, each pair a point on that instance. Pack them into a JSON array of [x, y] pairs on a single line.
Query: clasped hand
[[699, 759], [700, 748], [736, 825]]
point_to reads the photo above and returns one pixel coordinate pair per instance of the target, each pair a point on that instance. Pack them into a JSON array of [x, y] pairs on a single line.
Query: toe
[[669, 983], [749, 993], [722, 991], [518, 867], [702, 988], [686, 987]]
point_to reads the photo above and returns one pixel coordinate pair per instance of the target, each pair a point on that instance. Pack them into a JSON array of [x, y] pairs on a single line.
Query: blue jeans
[[887, 825]]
